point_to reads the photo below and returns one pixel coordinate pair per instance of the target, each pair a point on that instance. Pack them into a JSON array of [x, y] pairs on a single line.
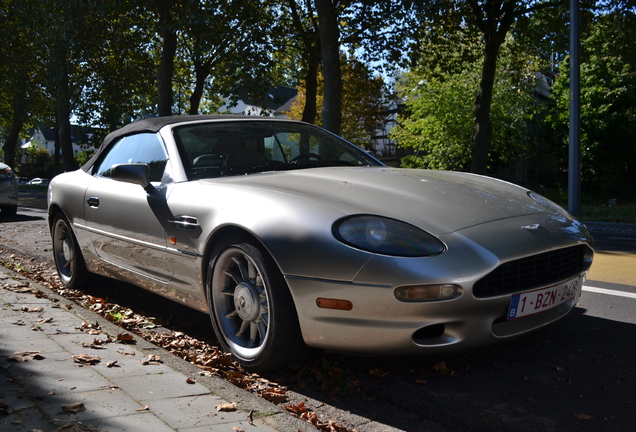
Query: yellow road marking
[[614, 267]]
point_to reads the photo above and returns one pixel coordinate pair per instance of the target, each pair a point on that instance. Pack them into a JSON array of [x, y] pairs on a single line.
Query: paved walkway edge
[[178, 403]]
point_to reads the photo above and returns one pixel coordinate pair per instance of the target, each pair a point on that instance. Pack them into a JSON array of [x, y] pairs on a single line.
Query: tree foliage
[[106, 63], [438, 126], [21, 73], [227, 45], [363, 99], [118, 76], [608, 106]]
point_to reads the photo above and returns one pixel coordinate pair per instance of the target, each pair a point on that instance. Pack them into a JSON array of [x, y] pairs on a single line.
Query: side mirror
[[135, 173]]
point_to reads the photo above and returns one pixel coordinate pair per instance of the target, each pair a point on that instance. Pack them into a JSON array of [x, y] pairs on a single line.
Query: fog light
[[423, 293]]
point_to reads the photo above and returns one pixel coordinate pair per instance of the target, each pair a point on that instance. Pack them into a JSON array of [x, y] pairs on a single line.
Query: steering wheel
[[306, 157]]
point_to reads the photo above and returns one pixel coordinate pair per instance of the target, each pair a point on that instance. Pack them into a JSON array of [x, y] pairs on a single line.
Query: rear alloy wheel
[[252, 311], [66, 254]]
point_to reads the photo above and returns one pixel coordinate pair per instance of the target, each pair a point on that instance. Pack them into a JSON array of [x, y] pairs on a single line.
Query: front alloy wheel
[[251, 307]]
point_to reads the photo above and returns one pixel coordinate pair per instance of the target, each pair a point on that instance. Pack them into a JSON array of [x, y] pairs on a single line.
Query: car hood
[[437, 201]]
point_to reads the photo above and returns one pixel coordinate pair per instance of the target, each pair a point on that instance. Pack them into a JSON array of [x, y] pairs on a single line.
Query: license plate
[[540, 300]]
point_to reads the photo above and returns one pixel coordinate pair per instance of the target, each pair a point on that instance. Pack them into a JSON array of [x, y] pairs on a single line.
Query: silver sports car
[[290, 237]]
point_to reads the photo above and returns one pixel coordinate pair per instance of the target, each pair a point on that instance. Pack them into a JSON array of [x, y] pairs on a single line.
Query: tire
[[67, 255], [10, 210], [251, 308]]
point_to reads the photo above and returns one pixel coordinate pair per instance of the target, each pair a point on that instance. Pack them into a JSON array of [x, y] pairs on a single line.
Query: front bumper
[[378, 323]]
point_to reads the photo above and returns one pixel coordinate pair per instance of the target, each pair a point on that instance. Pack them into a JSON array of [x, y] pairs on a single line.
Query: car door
[[126, 224]]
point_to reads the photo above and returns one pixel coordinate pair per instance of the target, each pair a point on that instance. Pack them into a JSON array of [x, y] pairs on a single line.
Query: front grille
[[533, 272]]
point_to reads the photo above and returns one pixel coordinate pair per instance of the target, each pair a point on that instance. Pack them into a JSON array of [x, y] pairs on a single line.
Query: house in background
[[276, 102], [44, 138]]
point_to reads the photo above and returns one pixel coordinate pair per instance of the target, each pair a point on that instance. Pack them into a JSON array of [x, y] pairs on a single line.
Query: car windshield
[[217, 149]]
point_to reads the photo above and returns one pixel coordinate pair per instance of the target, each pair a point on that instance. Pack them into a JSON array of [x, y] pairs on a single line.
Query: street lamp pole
[[574, 164]]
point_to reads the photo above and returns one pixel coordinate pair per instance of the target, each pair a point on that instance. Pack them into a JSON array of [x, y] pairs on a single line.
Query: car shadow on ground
[[20, 218], [574, 375]]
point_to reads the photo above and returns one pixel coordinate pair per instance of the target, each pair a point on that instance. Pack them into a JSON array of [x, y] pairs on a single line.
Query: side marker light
[[339, 304]]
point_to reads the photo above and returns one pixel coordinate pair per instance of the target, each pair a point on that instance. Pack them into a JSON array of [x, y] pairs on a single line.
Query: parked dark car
[[8, 190]]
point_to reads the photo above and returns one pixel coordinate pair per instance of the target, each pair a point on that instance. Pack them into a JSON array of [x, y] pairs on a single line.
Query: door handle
[[92, 202], [186, 223]]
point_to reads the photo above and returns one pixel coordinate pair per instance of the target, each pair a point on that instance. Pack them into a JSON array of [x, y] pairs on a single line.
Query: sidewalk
[[61, 375]]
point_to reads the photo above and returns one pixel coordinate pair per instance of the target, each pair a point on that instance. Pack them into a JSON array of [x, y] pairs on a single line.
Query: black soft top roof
[[153, 124]]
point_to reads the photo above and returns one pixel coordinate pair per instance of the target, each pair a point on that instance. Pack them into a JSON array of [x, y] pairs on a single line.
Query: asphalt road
[[575, 375]]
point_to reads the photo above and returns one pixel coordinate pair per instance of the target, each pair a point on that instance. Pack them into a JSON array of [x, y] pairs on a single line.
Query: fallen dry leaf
[[190, 380], [583, 416], [125, 337], [111, 364], [310, 417], [420, 381], [296, 409], [32, 309], [96, 344], [146, 408], [379, 372], [273, 396], [442, 369], [25, 356], [20, 289], [75, 427], [238, 429], [226, 407], [86, 359], [152, 359], [124, 353], [74, 408]]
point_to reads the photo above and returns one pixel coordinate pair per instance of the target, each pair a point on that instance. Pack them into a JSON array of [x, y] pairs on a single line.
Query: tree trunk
[[330, 52], [64, 131], [166, 66], [482, 104], [56, 155], [493, 19], [19, 117], [311, 88], [201, 71], [63, 105]]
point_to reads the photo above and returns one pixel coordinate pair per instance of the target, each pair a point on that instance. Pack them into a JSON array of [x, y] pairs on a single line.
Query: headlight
[[386, 236]]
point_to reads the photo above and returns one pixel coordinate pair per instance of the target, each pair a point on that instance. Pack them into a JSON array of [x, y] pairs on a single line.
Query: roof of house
[[277, 96], [78, 133]]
